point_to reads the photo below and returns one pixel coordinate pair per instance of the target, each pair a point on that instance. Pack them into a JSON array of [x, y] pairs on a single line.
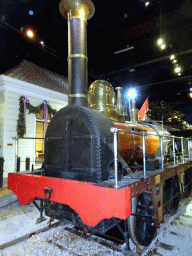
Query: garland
[[23, 105]]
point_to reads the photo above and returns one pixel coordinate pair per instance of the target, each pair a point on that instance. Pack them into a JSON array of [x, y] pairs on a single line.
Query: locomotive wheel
[[141, 225], [187, 182], [171, 197]]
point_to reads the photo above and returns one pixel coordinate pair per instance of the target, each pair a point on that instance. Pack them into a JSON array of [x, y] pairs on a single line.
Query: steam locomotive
[[99, 169]]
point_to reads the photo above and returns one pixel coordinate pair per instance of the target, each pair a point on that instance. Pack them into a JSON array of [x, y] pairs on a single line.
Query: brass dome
[[101, 96]]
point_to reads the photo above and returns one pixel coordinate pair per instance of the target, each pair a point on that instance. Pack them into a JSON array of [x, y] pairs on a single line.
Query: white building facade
[[11, 147]]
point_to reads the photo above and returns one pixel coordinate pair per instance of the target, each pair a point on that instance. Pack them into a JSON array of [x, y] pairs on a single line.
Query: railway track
[[60, 238], [107, 241], [114, 246], [174, 236], [27, 236], [67, 240]]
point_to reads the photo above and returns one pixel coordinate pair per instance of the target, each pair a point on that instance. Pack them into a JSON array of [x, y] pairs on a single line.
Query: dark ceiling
[[116, 25]]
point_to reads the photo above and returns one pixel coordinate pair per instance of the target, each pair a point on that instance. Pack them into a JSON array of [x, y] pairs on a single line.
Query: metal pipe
[[120, 107], [144, 157], [124, 50], [182, 150], [133, 112], [174, 149], [188, 144], [162, 156], [31, 138], [15, 139], [114, 130], [77, 12]]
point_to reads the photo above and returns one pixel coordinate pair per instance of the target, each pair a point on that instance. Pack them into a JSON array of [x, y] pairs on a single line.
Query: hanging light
[[30, 33], [160, 41]]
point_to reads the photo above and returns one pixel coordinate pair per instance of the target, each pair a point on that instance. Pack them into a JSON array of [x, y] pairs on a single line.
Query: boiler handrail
[[143, 133]]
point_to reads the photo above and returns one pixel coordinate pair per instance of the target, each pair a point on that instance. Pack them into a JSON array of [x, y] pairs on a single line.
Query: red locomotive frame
[[94, 203]]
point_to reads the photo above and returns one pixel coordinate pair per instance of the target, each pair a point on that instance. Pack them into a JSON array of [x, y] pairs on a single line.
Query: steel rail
[[27, 236]]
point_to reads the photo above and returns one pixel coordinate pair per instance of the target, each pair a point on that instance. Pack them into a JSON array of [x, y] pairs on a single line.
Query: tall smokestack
[[77, 12]]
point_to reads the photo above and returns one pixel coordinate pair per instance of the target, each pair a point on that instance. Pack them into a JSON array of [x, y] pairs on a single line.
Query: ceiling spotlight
[[172, 57], [163, 46], [31, 12], [132, 93], [3, 17], [174, 61], [177, 69], [30, 33], [190, 92], [179, 74], [146, 2], [42, 43], [160, 41]]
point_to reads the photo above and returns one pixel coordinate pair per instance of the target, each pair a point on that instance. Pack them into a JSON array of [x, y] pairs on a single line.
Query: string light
[[177, 68], [161, 43]]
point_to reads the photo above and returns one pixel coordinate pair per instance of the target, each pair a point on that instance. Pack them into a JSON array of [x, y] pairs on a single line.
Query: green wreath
[[21, 128]]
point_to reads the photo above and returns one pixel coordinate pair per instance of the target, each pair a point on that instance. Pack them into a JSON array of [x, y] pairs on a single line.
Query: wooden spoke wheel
[[141, 224], [171, 196], [187, 182]]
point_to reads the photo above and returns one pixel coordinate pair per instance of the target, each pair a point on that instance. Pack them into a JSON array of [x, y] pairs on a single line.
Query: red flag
[[144, 109]]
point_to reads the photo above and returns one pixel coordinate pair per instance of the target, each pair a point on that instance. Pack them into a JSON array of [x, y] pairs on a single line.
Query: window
[[40, 133]]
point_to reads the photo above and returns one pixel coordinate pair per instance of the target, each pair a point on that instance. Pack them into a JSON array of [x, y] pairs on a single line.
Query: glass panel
[[40, 133]]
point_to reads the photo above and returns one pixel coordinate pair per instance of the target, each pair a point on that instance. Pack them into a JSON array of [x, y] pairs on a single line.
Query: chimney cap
[[77, 8]]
